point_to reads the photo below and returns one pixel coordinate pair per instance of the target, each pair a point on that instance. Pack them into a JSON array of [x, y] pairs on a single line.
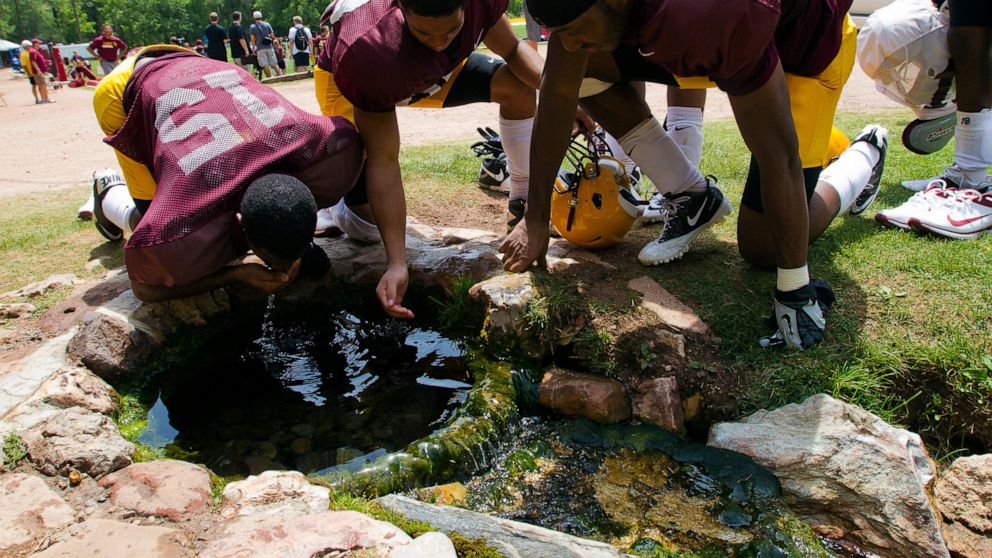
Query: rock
[[656, 401], [846, 472], [80, 439], [428, 545], [258, 464], [512, 537], [110, 346], [506, 298], [39, 288], [965, 543], [450, 494], [669, 309], [584, 395], [303, 536], [114, 539], [20, 379], [691, 406], [77, 387], [30, 511], [19, 310], [167, 488], [8, 335], [273, 492], [300, 445], [964, 494], [673, 341]]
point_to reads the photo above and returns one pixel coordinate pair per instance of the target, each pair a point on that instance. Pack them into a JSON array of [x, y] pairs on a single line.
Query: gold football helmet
[[591, 205]]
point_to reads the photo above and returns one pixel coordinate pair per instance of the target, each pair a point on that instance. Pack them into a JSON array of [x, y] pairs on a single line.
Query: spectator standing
[[39, 69], [107, 48], [25, 57], [320, 40], [216, 36], [300, 39], [261, 42], [198, 47], [239, 46], [280, 56]]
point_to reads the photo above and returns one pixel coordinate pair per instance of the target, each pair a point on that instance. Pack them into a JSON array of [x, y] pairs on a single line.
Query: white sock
[[685, 125], [660, 158], [353, 225], [515, 135], [618, 152], [792, 279], [849, 174], [973, 145], [117, 206]]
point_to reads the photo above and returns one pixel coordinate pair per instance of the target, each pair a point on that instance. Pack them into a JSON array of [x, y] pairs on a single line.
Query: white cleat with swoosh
[[687, 215]]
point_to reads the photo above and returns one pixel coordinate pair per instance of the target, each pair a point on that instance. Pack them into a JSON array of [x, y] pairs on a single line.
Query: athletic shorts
[[533, 27], [107, 66], [281, 64], [266, 57], [971, 13], [108, 103], [301, 59], [470, 82]]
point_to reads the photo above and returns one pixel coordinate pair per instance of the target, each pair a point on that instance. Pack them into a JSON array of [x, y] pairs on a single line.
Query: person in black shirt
[[216, 36], [239, 48]]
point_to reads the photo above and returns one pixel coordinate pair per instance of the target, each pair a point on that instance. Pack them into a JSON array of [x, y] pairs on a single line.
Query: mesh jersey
[[731, 41], [206, 130], [378, 64]]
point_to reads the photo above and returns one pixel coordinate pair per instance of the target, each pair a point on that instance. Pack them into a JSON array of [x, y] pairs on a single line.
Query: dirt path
[[51, 147]]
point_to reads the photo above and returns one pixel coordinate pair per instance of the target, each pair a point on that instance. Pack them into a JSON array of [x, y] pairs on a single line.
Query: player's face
[[599, 29], [436, 33], [108, 31]]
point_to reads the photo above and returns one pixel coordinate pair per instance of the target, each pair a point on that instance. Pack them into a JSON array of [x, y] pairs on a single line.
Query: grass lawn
[[909, 338]]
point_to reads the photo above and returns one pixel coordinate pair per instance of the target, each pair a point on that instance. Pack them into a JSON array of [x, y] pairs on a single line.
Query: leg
[[684, 121], [970, 42]]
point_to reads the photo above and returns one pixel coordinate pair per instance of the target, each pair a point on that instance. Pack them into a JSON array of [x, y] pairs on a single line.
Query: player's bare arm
[[525, 63], [381, 136], [766, 125], [251, 272], [559, 96]]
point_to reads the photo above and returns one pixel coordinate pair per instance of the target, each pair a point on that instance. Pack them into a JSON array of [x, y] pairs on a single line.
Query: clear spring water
[[307, 392]]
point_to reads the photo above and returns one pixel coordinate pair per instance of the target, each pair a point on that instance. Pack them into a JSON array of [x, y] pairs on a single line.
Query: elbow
[[146, 293]]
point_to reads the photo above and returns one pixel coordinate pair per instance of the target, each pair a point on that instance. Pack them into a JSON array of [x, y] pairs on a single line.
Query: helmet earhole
[[597, 200]]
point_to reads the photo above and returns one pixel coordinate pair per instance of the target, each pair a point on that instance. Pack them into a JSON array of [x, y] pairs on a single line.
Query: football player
[[783, 64], [387, 53], [215, 164]]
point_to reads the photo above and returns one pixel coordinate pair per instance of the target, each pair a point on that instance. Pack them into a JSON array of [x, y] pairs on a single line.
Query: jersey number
[[224, 135]]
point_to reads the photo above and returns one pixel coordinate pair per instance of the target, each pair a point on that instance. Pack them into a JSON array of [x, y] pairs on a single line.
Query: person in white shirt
[[300, 39]]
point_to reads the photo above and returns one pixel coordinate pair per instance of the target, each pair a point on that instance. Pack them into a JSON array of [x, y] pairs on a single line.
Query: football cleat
[[103, 181], [656, 210], [965, 216], [952, 176], [924, 137], [85, 211], [515, 211], [799, 315], [936, 194], [687, 215], [493, 174], [878, 136]]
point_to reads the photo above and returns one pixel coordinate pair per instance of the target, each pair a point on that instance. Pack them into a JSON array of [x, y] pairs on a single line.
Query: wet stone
[[584, 395]]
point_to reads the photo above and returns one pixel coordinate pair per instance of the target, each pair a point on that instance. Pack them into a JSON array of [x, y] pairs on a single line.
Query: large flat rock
[[512, 538], [30, 511], [167, 488], [114, 539], [77, 438]]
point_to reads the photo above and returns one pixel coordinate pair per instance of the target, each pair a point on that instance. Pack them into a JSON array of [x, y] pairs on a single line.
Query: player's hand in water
[[524, 246], [391, 289]]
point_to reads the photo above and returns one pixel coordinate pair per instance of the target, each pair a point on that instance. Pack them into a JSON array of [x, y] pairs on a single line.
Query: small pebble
[[75, 477]]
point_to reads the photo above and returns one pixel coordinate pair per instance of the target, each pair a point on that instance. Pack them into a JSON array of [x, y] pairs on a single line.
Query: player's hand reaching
[[391, 288], [524, 246], [799, 315]]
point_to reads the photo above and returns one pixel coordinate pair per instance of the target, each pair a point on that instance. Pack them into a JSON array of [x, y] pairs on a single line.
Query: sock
[[685, 125], [353, 225], [515, 135], [618, 152], [792, 279], [849, 174], [973, 144], [117, 206], [660, 159]]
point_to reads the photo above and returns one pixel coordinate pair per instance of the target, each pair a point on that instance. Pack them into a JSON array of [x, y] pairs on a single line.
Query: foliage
[[457, 311], [473, 548], [14, 450], [596, 347], [556, 307]]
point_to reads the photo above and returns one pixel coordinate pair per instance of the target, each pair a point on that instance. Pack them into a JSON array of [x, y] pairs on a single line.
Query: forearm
[[526, 64], [783, 198], [388, 203], [159, 293]]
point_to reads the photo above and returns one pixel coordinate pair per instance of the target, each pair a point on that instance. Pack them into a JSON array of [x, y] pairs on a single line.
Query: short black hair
[[236, 16], [555, 13], [432, 8], [278, 214]]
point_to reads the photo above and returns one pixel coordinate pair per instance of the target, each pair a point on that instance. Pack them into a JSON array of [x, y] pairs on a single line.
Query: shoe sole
[[891, 223], [924, 228], [499, 189], [924, 137], [106, 229], [721, 215]]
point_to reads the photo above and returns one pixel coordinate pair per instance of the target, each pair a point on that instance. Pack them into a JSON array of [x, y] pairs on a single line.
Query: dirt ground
[[51, 147]]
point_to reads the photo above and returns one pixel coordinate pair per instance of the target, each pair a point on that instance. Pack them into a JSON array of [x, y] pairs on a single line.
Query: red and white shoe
[[967, 216], [920, 204]]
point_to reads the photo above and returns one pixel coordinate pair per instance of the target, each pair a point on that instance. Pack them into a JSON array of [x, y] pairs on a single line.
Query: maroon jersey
[[206, 129], [109, 48], [737, 43], [378, 64]]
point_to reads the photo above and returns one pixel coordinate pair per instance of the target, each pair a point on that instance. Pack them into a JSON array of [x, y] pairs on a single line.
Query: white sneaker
[[967, 215], [85, 211], [688, 214], [656, 210], [953, 176], [936, 194]]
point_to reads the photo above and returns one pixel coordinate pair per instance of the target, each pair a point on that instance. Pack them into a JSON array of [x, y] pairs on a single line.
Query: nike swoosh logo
[[964, 222], [695, 218], [788, 324], [677, 129]]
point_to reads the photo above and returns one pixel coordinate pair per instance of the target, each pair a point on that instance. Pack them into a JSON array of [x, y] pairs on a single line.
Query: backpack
[[300, 40]]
